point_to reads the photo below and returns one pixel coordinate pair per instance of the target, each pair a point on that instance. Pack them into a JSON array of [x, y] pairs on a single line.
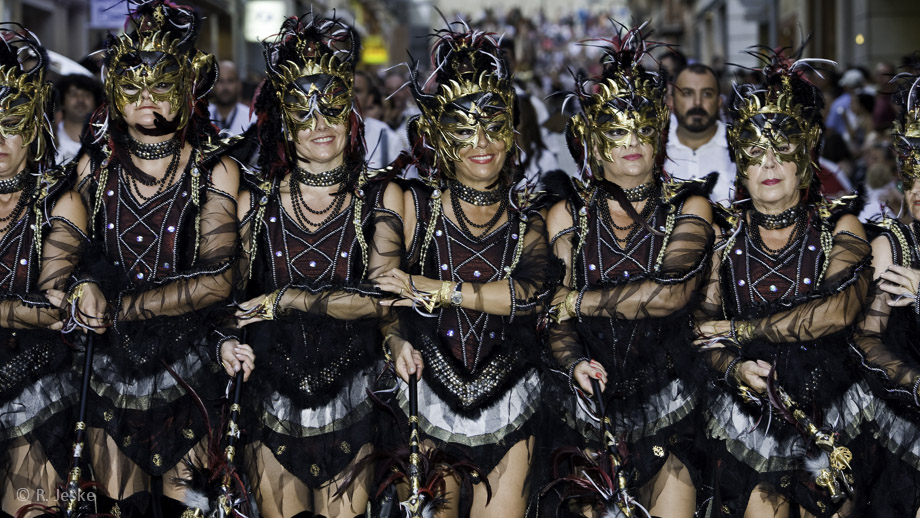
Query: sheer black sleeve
[[842, 295], [563, 336], [360, 300], [679, 277], [211, 280], [60, 251], [896, 373]]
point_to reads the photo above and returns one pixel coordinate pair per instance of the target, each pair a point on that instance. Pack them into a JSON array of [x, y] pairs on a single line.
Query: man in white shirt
[[696, 140], [226, 111], [80, 96]]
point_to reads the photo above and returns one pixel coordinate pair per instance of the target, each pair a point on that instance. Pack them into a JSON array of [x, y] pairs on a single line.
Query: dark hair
[[700, 69], [680, 62], [82, 82]]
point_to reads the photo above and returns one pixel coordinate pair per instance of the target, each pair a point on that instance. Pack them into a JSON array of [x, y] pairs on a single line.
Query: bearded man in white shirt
[[696, 141]]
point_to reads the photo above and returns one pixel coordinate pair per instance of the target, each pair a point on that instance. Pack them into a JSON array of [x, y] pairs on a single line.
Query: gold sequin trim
[[784, 481], [115, 511], [346, 448], [314, 470], [658, 451], [188, 433], [280, 449], [107, 415], [157, 460], [127, 441]]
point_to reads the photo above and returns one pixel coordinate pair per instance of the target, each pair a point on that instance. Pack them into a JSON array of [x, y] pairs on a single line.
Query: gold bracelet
[[569, 303], [744, 331], [442, 297], [266, 308], [76, 294]]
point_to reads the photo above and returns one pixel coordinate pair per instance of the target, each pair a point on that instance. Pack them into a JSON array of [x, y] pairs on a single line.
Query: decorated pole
[[73, 482], [624, 501]]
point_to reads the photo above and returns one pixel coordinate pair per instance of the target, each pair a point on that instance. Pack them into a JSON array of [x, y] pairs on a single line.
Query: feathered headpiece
[[906, 130], [783, 113], [25, 96], [157, 53], [626, 98], [311, 72], [474, 90]]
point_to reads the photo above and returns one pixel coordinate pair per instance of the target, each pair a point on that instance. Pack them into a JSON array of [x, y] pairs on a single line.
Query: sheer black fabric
[[884, 344], [634, 297], [164, 265], [309, 410], [479, 386], [802, 304], [38, 389]]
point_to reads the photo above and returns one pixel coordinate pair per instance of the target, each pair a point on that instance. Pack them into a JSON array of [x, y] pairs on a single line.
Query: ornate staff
[[624, 501], [413, 506], [72, 503], [832, 471]]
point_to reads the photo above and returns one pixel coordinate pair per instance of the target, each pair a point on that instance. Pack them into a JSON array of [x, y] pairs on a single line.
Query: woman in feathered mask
[[786, 288], [636, 248], [42, 232], [478, 272], [316, 225], [886, 338], [163, 227]]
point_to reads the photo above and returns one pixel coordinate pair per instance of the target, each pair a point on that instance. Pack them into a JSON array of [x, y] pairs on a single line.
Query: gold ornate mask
[[906, 136], [464, 107], [775, 123], [158, 61], [620, 109], [23, 98], [320, 84]]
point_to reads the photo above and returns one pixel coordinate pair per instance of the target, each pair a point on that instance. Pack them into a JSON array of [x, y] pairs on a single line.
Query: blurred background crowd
[[546, 42]]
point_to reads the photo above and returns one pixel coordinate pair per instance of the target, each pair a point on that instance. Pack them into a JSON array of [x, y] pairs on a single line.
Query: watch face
[[456, 298]]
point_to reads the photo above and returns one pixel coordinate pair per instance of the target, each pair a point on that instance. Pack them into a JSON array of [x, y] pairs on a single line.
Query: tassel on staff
[[600, 477], [832, 469]]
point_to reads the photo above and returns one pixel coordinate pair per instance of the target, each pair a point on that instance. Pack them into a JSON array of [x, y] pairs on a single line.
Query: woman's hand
[[585, 371], [406, 359], [91, 307], [901, 283], [401, 284], [257, 309], [56, 298], [708, 330], [235, 356], [754, 374]]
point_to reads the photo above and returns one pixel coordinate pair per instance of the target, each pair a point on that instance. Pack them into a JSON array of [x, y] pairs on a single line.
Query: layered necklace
[[19, 182], [785, 219], [155, 151], [633, 195], [479, 198], [329, 178]]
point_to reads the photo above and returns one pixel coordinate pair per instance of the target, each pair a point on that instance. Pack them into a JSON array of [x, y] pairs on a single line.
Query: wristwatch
[[456, 296]]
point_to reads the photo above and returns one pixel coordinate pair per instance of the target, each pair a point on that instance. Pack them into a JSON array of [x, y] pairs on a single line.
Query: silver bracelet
[[571, 372], [728, 371]]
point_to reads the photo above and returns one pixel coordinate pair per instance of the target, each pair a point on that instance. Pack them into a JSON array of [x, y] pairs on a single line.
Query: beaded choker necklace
[[14, 183], [154, 151], [476, 197], [639, 192], [324, 179], [784, 219]]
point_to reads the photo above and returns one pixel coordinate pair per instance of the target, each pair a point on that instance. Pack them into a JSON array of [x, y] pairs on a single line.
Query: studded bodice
[[604, 259], [18, 269], [754, 278], [331, 253], [454, 256], [145, 239]]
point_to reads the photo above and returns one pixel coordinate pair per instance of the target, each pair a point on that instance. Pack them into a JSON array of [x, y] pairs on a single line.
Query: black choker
[[784, 219], [14, 183], [476, 197], [153, 151], [639, 192], [324, 179]]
